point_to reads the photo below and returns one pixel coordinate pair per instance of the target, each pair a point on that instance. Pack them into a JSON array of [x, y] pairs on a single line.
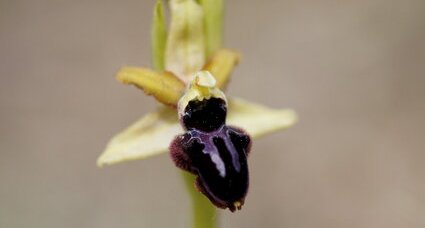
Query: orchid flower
[[189, 64]]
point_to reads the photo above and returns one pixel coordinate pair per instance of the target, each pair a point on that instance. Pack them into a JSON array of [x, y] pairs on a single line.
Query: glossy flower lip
[[214, 152]]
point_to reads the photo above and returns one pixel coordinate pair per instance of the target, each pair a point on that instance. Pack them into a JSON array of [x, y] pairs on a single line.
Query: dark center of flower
[[206, 115]]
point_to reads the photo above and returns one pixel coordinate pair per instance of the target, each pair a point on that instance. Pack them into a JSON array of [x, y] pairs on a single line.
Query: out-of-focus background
[[354, 71]]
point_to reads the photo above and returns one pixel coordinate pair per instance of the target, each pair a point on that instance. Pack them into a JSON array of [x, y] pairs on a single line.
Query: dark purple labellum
[[214, 152]]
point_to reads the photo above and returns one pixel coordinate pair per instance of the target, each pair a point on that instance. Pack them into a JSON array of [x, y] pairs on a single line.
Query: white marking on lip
[[232, 149], [209, 147], [219, 164]]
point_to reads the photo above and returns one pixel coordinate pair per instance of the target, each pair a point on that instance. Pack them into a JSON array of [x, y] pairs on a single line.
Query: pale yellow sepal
[[152, 134], [259, 120], [149, 136], [165, 86], [185, 48]]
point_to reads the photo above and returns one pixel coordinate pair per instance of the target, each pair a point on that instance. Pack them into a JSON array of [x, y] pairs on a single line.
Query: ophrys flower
[[191, 73]]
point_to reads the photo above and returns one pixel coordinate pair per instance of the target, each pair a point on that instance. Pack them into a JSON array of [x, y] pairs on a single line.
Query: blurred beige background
[[354, 70]]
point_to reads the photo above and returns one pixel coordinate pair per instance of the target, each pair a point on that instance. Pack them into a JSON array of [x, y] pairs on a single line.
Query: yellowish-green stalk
[[204, 213]]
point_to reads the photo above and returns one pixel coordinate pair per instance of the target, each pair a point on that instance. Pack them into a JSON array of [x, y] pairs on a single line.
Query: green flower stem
[[204, 212]]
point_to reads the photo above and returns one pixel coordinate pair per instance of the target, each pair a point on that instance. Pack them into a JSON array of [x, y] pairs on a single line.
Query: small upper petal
[[165, 86]]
